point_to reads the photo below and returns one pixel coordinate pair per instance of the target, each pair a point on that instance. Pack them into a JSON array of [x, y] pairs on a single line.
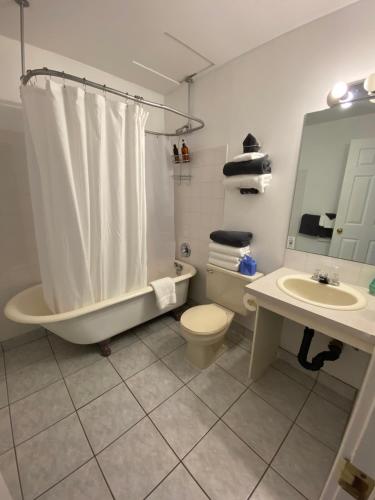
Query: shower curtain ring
[[64, 79], [105, 91], [84, 84]]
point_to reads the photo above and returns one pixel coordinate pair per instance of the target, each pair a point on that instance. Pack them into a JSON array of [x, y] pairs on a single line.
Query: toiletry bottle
[[372, 287], [176, 155], [185, 152]]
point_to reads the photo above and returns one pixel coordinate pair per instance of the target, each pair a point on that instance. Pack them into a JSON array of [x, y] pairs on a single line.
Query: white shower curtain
[[86, 159]]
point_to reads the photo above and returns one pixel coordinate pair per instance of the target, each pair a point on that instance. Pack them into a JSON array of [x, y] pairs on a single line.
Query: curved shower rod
[[186, 129], [66, 76]]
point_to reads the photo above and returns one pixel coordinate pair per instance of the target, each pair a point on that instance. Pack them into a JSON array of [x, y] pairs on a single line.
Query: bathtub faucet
[[179, 268]]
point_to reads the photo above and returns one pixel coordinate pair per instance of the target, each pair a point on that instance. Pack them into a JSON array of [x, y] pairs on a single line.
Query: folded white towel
[[228, 250], [248, 156], [165, 292], [223, 256], [224, 264], [259, 182], [326, 222]]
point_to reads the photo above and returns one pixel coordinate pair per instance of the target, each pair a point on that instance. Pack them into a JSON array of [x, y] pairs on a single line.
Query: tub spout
[[334, 350]]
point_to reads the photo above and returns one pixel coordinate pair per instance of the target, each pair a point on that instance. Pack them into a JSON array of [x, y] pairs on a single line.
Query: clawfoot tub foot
[[105, 349]]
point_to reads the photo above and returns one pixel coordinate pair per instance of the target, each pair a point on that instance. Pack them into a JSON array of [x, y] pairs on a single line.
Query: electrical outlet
[[291, 241]]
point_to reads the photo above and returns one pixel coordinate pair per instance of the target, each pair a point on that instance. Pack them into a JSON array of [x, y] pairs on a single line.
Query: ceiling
[[111, 34]]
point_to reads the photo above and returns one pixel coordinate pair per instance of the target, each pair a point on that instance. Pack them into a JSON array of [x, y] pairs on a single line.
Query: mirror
[[333, 210]]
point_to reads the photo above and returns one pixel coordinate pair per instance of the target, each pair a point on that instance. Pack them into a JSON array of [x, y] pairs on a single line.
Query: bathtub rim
[[12, 312]]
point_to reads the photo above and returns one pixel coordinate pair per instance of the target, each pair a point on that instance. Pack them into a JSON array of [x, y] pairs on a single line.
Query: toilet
[[204, 327]]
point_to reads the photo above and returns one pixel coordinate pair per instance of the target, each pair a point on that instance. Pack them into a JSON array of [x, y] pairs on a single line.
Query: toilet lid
[[204, 320]]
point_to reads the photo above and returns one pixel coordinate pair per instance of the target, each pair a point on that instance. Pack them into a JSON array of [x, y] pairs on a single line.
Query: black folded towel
[[309, 224], [325, 232], [257, 167], [232, 238]]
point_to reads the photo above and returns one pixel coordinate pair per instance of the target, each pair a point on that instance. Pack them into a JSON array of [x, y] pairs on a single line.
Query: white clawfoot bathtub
[[96, 322]]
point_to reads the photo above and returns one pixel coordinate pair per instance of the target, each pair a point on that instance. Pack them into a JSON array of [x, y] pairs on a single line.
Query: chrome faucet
[[325, 279]]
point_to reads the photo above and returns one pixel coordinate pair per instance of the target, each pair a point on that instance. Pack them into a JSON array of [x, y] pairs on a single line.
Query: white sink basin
[[342, 297]]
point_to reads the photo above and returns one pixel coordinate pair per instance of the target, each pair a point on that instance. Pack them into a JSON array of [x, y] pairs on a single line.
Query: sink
[[302, 287]]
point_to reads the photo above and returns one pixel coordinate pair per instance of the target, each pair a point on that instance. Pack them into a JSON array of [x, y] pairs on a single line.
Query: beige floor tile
[[217, 388], [179, 485], [224, 466], [281, 392], [51, 455], [87, 483], [135, 463], [256, 422], [92, 381], [183, 420], [323, 420], [273, 487], [108, 416], [8, 469], [132, 359], [153, 385], [304, 462], [40, 410]]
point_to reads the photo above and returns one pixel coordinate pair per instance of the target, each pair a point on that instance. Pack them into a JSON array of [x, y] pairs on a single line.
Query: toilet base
[[202, 355]]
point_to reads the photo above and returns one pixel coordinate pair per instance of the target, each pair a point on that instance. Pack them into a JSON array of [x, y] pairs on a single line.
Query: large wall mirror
[[334, 200]]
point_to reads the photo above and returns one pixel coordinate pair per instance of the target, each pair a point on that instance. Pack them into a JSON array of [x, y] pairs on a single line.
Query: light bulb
[[339, 90], [369, 86]]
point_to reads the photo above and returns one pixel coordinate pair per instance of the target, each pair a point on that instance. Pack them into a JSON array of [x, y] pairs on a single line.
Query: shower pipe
[[25, 78]]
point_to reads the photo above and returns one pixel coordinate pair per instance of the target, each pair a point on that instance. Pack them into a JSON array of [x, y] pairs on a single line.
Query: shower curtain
[[86, 160]]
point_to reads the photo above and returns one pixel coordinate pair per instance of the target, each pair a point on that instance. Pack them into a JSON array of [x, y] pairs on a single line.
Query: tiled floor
[[145, 423]]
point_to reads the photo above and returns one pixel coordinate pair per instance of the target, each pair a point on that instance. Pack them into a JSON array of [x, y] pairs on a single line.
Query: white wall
[[18, 259], [267, 92]]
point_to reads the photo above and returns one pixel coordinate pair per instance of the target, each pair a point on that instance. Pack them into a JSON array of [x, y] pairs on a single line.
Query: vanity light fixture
[[344, 94]]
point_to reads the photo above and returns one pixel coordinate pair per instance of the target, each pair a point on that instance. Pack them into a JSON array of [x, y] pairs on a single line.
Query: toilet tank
[[227, 288]]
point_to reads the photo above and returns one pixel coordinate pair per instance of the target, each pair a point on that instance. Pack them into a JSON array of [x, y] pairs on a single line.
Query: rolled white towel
[[326, 222], [223, 256], [165, 292], [259, 182], [248, 156], [224, 264], [228, 250]]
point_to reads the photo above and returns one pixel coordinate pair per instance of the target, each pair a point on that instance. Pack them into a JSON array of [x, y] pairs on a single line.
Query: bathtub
[[97, 322]]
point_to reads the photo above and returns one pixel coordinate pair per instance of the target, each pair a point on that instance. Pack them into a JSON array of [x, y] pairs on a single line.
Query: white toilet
[[204, 327]]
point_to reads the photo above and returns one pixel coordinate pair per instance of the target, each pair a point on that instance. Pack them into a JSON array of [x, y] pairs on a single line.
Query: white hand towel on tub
[[222, 256], [259, 182], [228, 250], [224, 264], [165, 292]]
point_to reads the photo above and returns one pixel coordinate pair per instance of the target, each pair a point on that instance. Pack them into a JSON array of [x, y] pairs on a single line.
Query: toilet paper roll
[[249, 302]]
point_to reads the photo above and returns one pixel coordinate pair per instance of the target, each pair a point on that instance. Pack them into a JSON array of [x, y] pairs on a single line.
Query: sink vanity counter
[[353, 327]]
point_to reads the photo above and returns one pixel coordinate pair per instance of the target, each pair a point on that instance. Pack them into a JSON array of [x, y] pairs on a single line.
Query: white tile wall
[[199, 210]]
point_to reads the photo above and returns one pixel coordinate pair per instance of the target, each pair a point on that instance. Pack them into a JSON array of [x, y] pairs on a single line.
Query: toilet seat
[[206, 320]]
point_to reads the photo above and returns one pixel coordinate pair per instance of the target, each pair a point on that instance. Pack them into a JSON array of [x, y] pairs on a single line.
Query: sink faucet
[[325, 279]]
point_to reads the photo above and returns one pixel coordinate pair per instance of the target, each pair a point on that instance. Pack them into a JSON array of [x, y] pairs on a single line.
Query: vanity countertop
[[359, 323]]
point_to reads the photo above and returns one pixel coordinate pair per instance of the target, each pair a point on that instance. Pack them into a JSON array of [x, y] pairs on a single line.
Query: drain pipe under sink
[[335, 347]]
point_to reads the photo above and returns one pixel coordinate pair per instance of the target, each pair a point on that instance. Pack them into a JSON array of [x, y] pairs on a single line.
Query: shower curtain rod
[[186, 129], [66, 76]]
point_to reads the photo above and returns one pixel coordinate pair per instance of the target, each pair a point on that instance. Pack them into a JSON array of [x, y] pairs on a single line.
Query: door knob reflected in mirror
[[339, 230]]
